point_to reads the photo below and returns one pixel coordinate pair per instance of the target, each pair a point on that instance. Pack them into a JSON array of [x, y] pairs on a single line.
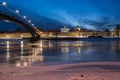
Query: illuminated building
[[77, 28], [65, 29]]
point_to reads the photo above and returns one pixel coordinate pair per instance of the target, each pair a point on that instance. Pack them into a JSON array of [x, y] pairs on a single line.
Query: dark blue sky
[[90, 14]]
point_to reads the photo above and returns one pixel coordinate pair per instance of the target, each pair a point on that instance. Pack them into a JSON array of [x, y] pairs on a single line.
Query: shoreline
[[68, 39], [80, 39], [77, 71]]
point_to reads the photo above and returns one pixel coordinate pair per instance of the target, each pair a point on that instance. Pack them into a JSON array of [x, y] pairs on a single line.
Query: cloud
[[65, 17], [73, 19], [92, 21], [103, 23], [90, 14]]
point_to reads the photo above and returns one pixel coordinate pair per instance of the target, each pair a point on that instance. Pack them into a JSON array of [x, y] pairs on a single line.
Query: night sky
[[53, 14]]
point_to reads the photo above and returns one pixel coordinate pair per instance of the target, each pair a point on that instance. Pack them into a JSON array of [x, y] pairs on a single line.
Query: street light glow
[[33, 25], [17, 11], [24, 17], [29, 21], [4, 3]]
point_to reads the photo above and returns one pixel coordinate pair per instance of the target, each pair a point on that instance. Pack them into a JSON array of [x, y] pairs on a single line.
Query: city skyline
[[94, 14]]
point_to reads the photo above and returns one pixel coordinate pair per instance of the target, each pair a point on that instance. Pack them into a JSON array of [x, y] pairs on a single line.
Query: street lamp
[[33, 25], [24, 17], [4, 3], [29, 21], [17, 11]]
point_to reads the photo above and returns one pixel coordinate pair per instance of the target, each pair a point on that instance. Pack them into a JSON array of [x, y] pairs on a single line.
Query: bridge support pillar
[[35, 38]]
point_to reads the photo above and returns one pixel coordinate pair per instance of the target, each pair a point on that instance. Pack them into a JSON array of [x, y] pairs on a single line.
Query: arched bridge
[[6, 14]]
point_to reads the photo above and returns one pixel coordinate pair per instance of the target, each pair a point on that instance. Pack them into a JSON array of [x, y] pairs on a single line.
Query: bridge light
[[4, 3], [33, 25], [29, 21], [24, 17], [17, 11]]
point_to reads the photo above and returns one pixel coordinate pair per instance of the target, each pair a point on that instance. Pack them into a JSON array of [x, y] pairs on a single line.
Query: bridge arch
[[28, 27]]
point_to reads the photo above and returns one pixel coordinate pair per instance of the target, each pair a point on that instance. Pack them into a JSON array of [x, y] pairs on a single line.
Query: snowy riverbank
[[79, 71]]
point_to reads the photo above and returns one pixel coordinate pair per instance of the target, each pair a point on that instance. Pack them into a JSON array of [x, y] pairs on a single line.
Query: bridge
[[7, 14]]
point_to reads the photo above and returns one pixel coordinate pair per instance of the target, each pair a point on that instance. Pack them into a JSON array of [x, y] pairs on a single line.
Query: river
[[48, 52]]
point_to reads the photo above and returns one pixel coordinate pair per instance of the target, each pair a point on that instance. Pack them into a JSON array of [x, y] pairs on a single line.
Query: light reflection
[[37, 51], [25, 64], [22, 49], [8, 50], [41, 44], [64, 44], [18, 64], [8, 54], [49, 44], [36, 54], [8, 44], [65, 50], [22, 64], [79, 49]]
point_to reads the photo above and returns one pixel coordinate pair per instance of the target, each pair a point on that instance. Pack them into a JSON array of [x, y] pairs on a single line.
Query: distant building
[[117, 30], [77, 28], [65, 29]]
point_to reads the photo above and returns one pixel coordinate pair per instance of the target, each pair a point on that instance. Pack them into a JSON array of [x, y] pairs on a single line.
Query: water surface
[[24, 53]]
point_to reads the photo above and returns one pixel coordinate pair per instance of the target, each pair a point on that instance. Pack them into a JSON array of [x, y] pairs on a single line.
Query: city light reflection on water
[[7, 50], [22, 53]]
